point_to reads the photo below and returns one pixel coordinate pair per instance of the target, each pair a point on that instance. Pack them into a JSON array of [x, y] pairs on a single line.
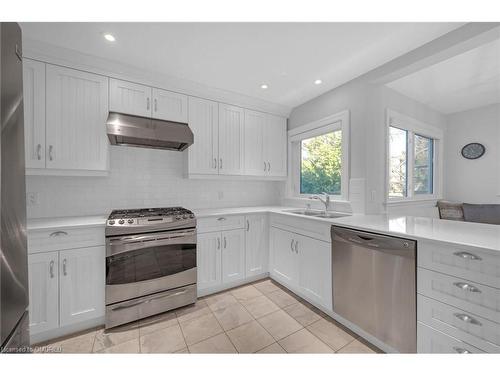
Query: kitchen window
[[319, 158], [413, 159]]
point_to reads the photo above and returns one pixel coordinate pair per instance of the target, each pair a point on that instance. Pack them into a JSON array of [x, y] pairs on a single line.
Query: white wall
[[473, 181], [143, 178]]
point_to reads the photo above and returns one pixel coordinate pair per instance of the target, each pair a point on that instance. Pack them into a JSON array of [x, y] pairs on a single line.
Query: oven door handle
[[128, 305], [151, 237]]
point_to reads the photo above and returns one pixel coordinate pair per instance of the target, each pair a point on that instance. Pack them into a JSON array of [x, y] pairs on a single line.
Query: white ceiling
[[239, 57], [466, 81]]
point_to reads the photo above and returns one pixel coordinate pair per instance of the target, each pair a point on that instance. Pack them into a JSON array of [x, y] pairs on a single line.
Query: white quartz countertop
[[461, 233]]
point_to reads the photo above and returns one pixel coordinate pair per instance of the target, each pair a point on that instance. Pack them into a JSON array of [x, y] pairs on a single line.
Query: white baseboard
[[67, 330], [220, 288]]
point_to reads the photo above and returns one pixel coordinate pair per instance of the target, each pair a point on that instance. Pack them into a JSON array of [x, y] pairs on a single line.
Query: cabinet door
[[43, 275], [82, 283], [231, 139], [283, 257], [255, 122], [275, 140], [171, 106], [233, 255], [77, 108], [34, 113], [208, 260], [315, 270], [203, 120], [256, 244], [129, 98]]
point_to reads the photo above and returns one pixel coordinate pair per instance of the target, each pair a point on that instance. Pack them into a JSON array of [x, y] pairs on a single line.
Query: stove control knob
[[184, 216], [130, 221], [111, 222], [177, 218], [121, 221], [191, 216]]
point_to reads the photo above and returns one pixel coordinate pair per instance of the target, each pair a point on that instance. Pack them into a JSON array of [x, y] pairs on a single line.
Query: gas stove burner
[[149, 219]]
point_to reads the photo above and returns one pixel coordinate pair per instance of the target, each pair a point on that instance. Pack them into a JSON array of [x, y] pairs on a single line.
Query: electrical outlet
[[32, 199]]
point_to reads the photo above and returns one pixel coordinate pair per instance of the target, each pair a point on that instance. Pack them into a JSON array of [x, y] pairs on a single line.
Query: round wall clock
[[473, 151]]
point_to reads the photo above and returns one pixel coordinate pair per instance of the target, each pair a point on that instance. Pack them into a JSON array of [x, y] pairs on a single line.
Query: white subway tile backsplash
[[143, 178]]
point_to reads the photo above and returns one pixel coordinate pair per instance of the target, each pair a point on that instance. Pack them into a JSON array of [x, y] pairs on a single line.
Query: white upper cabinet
[[203, 120], [231, 139], [34, 113], [255, 122], [43, 275], [171, 106], [130, 98], [76, 111], [275, 150], [256, 244], [233, 255], [82, 281]]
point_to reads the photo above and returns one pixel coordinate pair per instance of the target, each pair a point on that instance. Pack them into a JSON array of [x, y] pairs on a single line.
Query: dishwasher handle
[[372, 241]]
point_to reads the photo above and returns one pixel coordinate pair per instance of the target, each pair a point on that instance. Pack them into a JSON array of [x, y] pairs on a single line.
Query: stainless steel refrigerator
[[14, 322]]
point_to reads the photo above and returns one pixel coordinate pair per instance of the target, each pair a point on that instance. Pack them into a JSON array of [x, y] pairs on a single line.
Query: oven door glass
[[149, 263]]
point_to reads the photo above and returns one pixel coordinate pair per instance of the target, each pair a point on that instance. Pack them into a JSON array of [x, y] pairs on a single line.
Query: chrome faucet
[[325, 200]]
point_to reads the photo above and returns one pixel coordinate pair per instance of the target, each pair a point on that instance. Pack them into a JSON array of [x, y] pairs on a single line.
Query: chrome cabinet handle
[[265, 166], [467, 319], [268, 167], [248, 225], [215, 163], [466, 255], [39, 151], [147, 103], [58, 233], [291, 245], [225, 243], [220, 163], [461, 350], [297, 247], [156, 105], [218, 243], [467, 287], [221, 218], [65, 273], [51, 269], [50, 152]]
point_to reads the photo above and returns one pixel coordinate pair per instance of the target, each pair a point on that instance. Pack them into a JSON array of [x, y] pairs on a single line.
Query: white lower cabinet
[[66, 288], [82, 280], [208, 260], [256, 244], [303, 264], [233, 255], [43, 272]]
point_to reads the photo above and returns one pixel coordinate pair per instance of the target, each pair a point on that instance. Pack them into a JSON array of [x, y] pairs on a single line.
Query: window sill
[[411, 202]]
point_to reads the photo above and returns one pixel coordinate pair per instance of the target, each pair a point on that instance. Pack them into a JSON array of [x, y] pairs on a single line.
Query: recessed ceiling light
[[109, 37], [318, 82], [263, 86]]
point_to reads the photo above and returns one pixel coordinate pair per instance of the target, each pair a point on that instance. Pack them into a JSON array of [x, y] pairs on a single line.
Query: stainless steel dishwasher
[[374, 279]]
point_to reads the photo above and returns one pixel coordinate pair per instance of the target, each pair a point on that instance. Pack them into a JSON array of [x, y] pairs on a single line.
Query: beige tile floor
[[261, 317]]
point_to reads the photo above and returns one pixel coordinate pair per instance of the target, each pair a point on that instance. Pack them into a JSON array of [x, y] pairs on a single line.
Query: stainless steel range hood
[[127, 130]]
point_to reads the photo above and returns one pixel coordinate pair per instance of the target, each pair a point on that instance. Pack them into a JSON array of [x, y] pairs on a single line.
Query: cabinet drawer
[[482, 333], [217, 223], [430, 340], [307, 227], [470, 296], [481, 266], [64, 238]]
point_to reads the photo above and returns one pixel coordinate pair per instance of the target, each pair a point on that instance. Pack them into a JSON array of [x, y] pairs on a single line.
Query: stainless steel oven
[[148, 273]]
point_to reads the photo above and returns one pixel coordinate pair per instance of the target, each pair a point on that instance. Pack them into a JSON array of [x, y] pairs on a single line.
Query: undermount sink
[[317, 213]]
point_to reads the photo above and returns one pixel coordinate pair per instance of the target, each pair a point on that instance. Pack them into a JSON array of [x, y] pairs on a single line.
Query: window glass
[[423, 165], [320, 167], [398, 164]]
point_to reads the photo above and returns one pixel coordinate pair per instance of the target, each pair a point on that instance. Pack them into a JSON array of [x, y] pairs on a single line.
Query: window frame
[[338, 121], [414, 127]]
